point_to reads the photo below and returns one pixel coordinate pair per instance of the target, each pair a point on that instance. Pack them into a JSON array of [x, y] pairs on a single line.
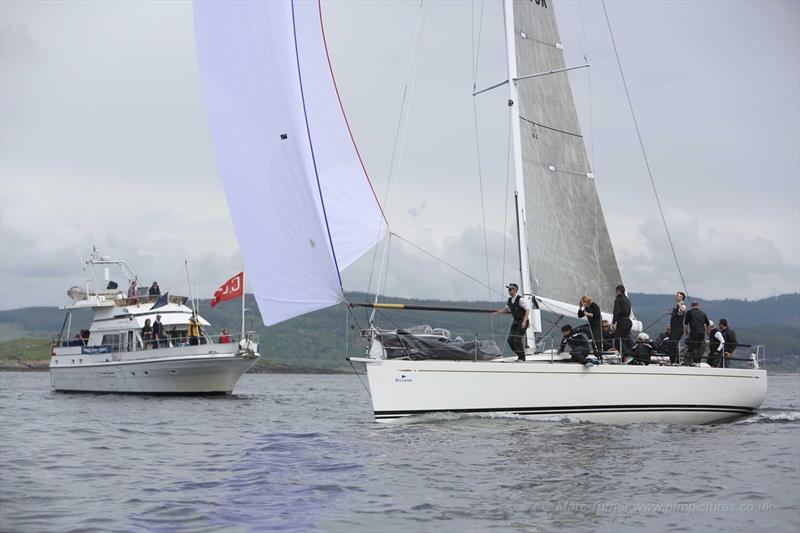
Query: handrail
[[166, 342]]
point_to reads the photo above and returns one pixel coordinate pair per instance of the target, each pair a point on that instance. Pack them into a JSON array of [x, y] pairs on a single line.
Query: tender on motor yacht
[[114, 355]]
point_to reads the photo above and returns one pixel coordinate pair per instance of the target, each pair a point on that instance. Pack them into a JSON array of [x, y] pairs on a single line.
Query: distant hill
[[318, 340]]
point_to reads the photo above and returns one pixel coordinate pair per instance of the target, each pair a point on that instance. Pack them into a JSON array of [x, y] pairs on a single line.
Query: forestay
[[301, 204], [570, 249]]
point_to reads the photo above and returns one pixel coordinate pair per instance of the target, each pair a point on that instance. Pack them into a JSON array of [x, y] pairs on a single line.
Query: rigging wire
[[473, 278], [382, 290], [476, 50], [644, 154], [597, 211], [399, 143], [508, 193]]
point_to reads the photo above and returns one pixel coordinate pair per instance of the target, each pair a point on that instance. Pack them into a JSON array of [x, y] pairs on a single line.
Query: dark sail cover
[[404, 345], [570, 249]]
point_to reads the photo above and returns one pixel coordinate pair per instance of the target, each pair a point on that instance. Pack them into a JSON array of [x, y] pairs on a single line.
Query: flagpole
[[243, 297], [189, 280]]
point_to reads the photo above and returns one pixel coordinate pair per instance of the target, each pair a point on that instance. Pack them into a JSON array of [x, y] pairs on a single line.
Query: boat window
[[110, 340]]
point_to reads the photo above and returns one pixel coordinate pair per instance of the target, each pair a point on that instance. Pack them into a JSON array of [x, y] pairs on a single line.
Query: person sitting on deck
[[608, 337], [642, 350], [224, 338], [661, 344], [154, 290], [578, 343]]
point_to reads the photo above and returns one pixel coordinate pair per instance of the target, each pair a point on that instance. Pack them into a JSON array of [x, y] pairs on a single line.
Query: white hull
[[613, 394], [186, 374]]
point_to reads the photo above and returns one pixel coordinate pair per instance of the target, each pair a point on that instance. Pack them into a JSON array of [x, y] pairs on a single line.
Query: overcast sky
[[104, 141]]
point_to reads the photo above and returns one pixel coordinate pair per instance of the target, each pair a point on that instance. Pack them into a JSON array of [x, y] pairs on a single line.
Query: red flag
[[233, 288]]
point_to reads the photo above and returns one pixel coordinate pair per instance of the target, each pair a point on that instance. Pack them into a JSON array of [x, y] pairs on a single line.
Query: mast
[[244, 294], [534, 323]]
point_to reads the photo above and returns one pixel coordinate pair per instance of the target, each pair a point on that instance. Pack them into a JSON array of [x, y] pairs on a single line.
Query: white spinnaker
[[354, 216], [248, 55]]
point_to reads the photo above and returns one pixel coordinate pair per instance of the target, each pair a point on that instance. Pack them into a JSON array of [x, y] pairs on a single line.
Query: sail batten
[[571, 252]]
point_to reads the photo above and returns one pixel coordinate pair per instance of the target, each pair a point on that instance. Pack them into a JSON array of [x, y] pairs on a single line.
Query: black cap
[[566, 327], [512, 286]]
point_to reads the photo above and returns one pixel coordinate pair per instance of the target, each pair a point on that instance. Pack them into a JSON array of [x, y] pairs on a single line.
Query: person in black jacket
[[154, 289], [697, 322], [677, 315], [642, 350], [519, 310], [716, 345], [730, 342], [661, 343], [578, 343], [622, 322], [608, 337], [158, 334], [591, 311]]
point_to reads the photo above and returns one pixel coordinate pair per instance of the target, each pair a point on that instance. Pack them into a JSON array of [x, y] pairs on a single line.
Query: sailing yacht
[[288, 163], [113, 354]]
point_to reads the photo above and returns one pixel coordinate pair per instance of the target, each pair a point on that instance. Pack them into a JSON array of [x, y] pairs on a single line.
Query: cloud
[[716, 262], [457, 270], [49, 225]]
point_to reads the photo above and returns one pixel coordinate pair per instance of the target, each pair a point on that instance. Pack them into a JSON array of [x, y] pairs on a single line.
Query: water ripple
[[263, 460]]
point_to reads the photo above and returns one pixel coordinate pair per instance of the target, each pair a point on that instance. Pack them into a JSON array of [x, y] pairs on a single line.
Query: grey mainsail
[[570, 249]]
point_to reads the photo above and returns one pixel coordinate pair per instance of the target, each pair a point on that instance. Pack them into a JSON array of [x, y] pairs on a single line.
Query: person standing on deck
[[677, 314], [132, 293], [194, 331], [591, 311], [697, 322], [520, 312], [730, 342], [147, 334], [158, 333], [716, 345], [621, 322]]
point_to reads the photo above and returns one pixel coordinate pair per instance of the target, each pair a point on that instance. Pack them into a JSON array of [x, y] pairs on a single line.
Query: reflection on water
[[300, 452]]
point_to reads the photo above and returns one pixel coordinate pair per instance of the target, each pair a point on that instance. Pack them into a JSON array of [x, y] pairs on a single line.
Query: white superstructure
[[113, 355]]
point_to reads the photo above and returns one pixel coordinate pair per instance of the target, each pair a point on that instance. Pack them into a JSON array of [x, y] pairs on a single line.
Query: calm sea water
[[301, 453]]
